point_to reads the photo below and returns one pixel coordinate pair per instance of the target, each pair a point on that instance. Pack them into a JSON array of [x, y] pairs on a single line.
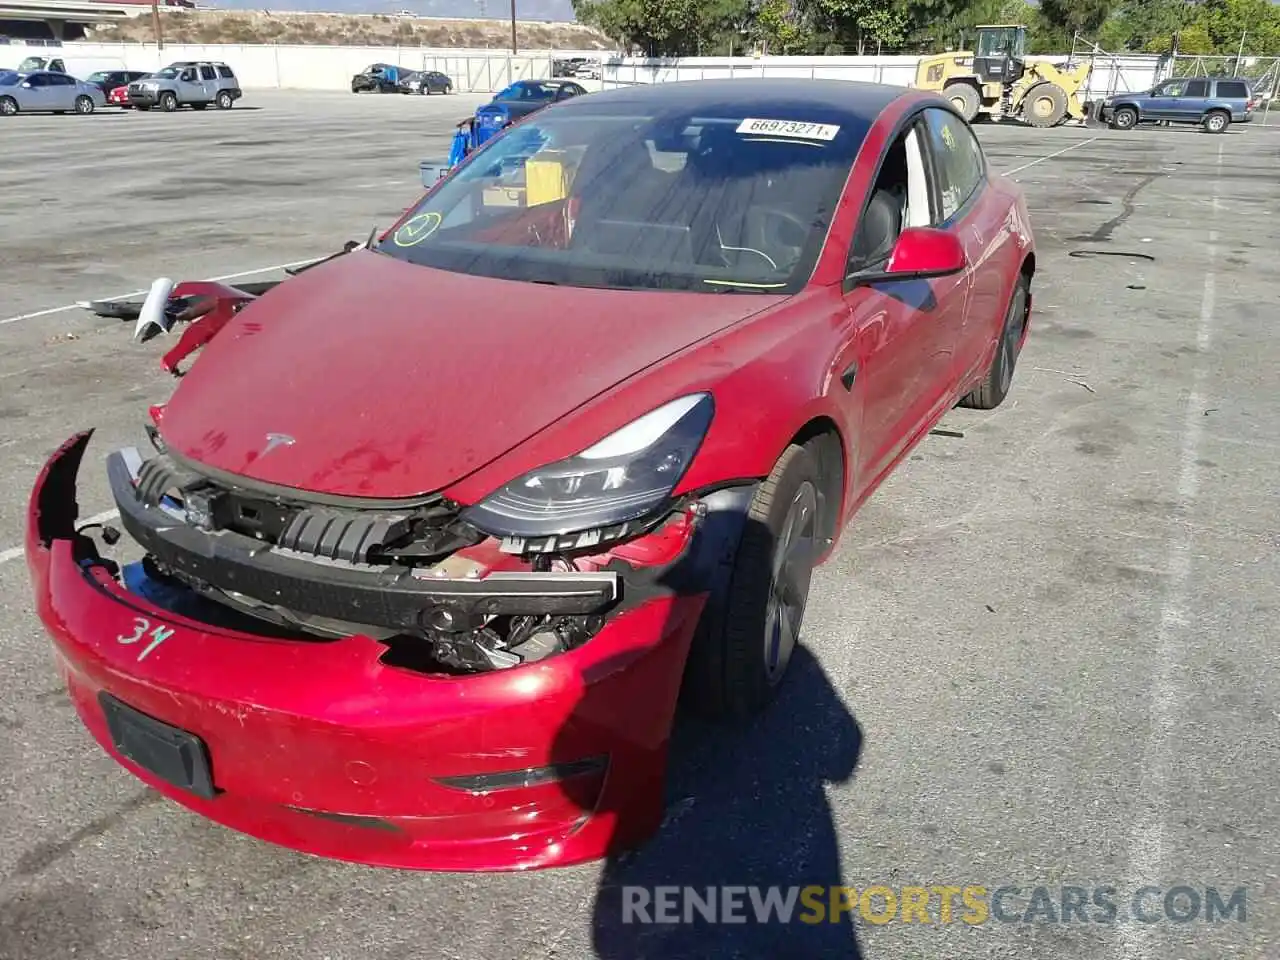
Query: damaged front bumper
[[344, 748]]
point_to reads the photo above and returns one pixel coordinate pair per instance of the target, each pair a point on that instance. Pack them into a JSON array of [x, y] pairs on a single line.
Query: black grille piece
[[342, 535]]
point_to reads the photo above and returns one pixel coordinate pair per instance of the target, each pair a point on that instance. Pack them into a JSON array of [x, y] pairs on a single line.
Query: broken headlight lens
[[623, 477]]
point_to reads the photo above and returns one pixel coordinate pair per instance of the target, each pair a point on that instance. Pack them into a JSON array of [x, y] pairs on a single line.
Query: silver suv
[[194, 83]]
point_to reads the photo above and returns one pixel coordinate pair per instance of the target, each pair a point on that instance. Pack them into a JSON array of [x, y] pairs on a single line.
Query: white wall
[[321, 67], [1109, 74], [482, 71]]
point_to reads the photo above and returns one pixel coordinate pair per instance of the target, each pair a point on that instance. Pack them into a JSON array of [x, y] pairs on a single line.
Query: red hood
[[395, 380]]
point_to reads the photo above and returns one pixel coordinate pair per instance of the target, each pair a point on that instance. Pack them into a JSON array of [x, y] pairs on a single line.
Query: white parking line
[[13, 553], [1148, 837], [1049, 156], [138, 293]]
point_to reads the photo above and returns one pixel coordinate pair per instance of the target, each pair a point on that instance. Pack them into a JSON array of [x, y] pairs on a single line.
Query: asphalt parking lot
[[1045, 656]]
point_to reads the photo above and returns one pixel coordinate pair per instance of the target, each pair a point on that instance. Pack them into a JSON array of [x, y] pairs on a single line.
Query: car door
[[63, 92], [897, 360], [208, 82], [1189, 106], [1162, 104], [189, 88], [37, 93], [960, 169]]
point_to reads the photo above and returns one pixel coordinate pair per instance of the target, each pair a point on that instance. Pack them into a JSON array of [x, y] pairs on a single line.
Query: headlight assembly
[[623, 477]]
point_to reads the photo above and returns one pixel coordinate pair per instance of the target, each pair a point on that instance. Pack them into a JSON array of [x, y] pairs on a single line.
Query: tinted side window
[[206, 73], [1232, 90], [39, 80], [225, 73], [960, 166], [1197, 88]]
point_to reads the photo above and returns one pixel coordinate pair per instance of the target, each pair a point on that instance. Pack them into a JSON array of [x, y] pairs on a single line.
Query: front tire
[[168, 102], [995, 386], [1124, 118], [1045, 105], [739, 664], [964, 97], [85, 105], [8, 106]]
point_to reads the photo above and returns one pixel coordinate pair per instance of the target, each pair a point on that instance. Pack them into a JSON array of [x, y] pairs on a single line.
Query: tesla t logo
[[277, 440]]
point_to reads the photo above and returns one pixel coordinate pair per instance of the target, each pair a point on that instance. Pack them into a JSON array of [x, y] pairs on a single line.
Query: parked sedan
[[650, 351], [47, 92], [426, 82]]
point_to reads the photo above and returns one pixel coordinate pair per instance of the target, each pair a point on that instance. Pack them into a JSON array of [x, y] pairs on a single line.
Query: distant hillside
[[450, 9], [373, 30]]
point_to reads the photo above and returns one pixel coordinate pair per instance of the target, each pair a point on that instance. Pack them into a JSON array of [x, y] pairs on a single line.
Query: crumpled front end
[[349, 682]]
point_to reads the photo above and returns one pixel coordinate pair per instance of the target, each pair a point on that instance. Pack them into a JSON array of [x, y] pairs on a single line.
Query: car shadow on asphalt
[[746, 807]]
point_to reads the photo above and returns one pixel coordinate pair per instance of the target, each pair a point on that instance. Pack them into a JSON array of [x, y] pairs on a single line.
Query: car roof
[[757, 96]]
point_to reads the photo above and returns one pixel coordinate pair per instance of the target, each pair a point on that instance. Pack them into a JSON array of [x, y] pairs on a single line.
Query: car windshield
[[168, 73], [604, 197], [9, 79]]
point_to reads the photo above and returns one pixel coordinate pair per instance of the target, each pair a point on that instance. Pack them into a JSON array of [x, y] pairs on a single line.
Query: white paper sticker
[[788, 128]]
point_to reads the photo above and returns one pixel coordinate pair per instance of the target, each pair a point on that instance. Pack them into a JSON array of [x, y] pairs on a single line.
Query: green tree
[[782, 28], [662, 27], [1075, 16]]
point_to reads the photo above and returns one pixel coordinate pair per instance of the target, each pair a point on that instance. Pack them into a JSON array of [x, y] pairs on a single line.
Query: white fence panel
[[267, 66], [1109, 74]]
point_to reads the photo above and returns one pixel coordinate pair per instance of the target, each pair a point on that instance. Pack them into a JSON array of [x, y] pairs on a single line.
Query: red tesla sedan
[[435, 533]]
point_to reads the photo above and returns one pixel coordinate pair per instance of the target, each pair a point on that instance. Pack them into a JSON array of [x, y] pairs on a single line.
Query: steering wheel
[[776, 235]]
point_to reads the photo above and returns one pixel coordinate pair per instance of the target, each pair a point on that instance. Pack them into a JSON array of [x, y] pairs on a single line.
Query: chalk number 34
[[143, 630]]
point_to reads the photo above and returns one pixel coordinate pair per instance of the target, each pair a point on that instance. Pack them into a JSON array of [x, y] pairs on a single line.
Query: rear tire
[[168, 102], [1044, 105], [738, 663], [995, 386], [1216, 121], [965, 99], [8, 106], [225, 100]]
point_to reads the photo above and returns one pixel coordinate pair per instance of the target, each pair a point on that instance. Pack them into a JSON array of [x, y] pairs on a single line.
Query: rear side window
[[206, 73], [960, 165], [225, 73], [1197, 88], [1232, 90]]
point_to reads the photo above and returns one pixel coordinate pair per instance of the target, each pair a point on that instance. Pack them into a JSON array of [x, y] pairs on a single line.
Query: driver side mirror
[[918, 254]]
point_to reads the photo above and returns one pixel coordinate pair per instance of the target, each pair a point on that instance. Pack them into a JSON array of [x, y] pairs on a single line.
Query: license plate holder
[[173, 755]]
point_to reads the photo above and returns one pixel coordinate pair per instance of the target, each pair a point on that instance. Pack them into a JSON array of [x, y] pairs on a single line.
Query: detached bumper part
[[325, 748]]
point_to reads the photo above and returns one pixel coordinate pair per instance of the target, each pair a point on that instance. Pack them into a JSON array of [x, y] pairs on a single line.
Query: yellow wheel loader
[[995, 80]]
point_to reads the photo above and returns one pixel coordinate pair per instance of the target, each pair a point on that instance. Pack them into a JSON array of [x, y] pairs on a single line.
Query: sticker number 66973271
[[144, 631]]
